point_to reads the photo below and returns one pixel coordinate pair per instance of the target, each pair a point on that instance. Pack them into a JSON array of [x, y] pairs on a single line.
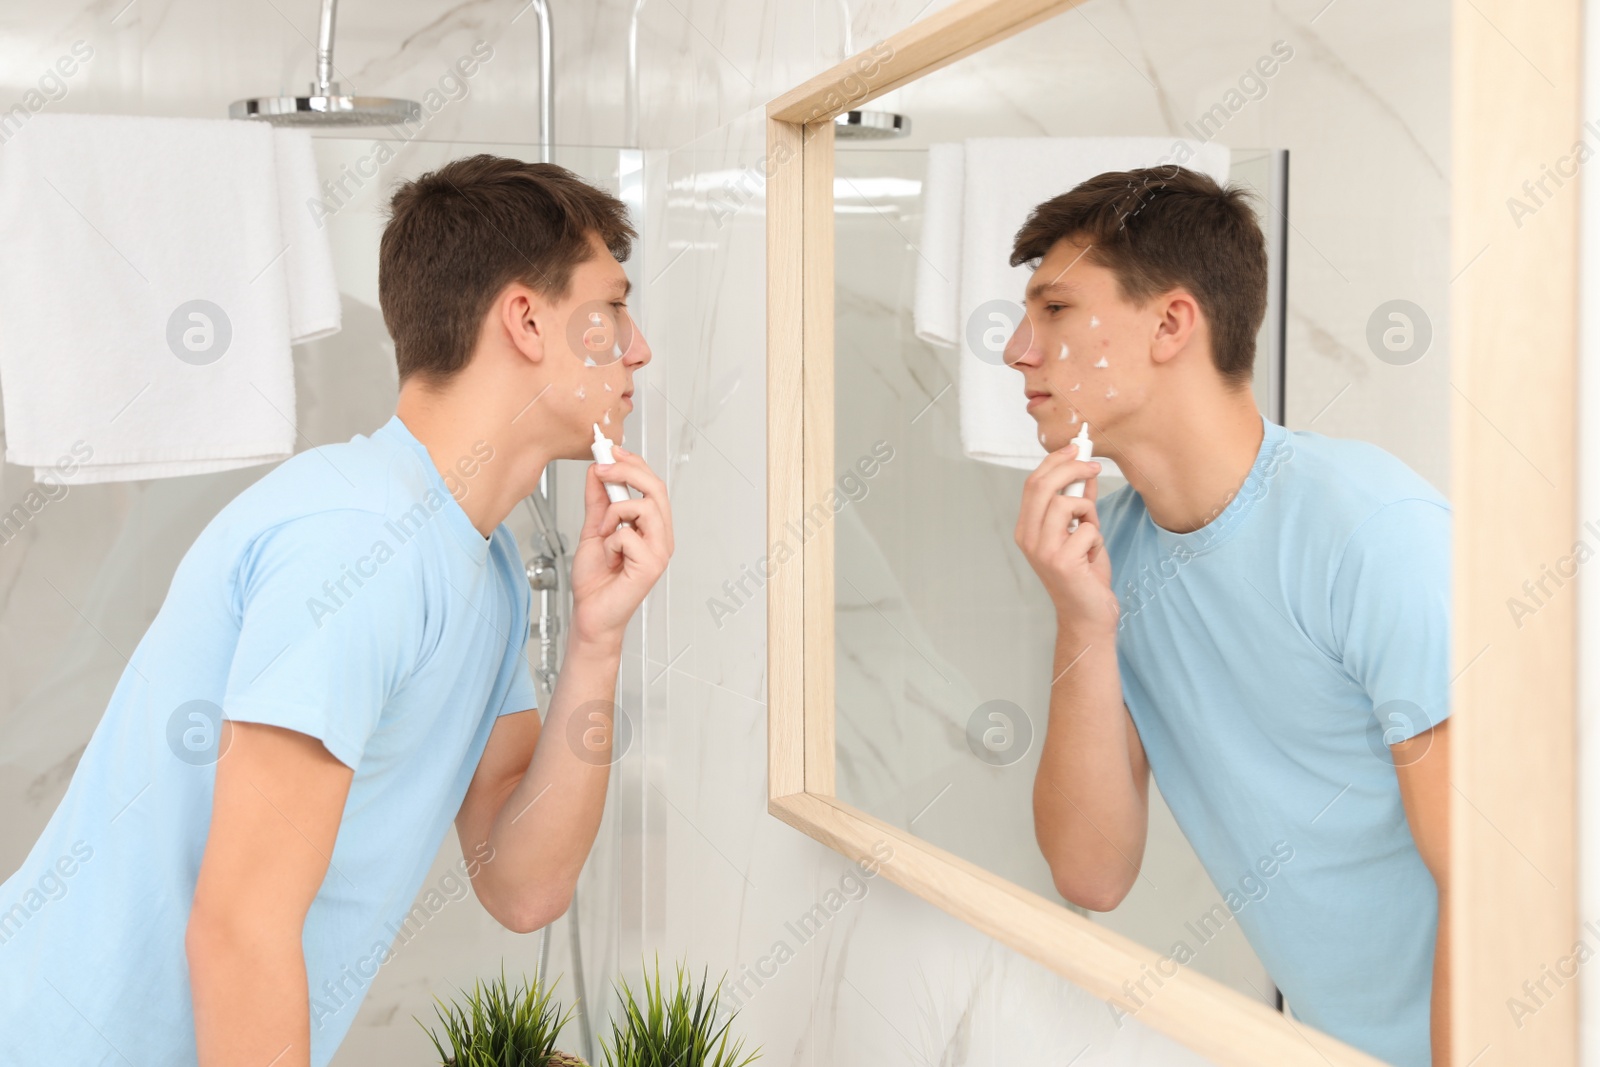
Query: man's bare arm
[[1091, 793], [1090, 807], [532, 811], [274, 817], [534, 805], [1423, 767]]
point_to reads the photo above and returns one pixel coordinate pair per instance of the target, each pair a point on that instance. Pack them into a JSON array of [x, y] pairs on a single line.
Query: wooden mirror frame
[[1513, 363]]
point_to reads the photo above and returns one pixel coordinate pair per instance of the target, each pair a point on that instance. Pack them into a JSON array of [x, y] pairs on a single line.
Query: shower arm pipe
[[547, 78], [549, 607], [631, 90], [325, 49]]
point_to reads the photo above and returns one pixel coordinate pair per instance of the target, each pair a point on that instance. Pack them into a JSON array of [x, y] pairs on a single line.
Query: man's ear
[[1177, 317], [525, 318]]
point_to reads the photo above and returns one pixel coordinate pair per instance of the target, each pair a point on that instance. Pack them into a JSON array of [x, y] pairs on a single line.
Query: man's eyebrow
[[626, 285], [1038, 289]]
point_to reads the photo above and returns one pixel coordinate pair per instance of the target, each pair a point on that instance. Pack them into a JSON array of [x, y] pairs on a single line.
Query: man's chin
[[584, 439]]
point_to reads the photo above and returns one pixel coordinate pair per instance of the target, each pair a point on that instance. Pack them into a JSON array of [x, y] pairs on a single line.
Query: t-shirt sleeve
[[330, 628], [1391, 602], [521, 695]]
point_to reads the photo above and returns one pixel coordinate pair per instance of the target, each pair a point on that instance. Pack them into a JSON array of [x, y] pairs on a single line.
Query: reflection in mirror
[[1274, 605], [948, 748]]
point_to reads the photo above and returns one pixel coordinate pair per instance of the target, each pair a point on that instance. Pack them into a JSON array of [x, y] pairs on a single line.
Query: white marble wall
[[690, 864]]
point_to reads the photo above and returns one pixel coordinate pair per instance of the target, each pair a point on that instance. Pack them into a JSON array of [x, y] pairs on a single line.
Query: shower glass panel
[[346, 385]]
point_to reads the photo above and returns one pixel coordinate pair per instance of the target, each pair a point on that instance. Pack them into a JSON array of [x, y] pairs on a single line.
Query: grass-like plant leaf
[[672, 1029], [500, 1027]]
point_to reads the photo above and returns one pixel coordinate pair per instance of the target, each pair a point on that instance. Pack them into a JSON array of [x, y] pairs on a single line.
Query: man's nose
[[639, 352], [1021, 348]]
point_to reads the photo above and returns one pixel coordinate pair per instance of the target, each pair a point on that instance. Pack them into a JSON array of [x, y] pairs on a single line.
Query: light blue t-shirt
[[1269, 659], [345, 595]]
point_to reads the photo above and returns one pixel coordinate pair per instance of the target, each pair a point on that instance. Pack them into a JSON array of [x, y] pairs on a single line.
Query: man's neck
[[458, 435], [1188, 461]]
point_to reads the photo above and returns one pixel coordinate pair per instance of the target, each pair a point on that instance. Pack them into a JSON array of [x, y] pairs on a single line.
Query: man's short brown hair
[[1160, 228], [457, 236]]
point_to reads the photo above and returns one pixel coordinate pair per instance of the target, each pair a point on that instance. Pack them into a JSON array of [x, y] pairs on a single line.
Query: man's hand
[[614, 566], [274, 815], [1073, 567]]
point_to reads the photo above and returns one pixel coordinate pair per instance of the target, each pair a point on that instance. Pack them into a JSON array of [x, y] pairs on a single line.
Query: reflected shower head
[[870, 125], [327, 107], [324, 105]]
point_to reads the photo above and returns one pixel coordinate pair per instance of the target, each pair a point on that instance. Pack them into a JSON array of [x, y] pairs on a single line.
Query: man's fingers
[[638, 474], [1083, 540], [626, 542], [643, 513], [629, 469], [594, 503], [1046, 481], [1059, 515]]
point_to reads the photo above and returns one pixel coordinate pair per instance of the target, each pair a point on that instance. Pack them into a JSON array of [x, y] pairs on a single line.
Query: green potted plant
[[500, 1027], [672, 1029]]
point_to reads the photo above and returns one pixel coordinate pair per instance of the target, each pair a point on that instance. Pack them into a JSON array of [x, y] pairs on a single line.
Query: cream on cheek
[[1094, 377], [1103, 363], [1099, 383]]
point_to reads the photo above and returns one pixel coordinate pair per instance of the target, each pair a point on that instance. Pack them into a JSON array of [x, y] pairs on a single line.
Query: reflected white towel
[[146, 310], [1001, 181], [938, 291]]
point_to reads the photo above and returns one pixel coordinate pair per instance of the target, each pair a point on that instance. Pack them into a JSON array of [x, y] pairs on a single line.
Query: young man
[[1260, 617], [338, 670]]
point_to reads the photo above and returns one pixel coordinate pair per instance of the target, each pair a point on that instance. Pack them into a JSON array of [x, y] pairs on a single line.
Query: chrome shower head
[[870, 126], [324, 105], [327, 107]]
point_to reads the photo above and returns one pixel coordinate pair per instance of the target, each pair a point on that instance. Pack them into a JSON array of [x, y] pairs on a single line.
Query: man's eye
[[1054, 307]]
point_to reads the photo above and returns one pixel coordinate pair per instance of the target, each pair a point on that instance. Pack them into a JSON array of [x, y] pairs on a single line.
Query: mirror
[[944, 634], [941, 712]]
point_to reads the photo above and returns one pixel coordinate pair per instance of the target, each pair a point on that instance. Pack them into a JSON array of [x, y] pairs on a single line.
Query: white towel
[[160, 269], [313, 288], [1000, 181], [938, 288]]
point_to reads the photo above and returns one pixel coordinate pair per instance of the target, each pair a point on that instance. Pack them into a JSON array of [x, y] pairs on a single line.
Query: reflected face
[[593, 348], [1083, 349]]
